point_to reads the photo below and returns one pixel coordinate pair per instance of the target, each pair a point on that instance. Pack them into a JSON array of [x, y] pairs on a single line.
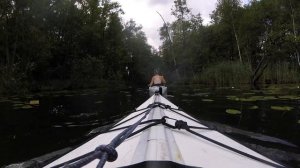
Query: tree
[[227, 16]]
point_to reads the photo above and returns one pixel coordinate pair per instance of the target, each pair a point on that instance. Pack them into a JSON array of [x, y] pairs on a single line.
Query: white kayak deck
[[161, 143]]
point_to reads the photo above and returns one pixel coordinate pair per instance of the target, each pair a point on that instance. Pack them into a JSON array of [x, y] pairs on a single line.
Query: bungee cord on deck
[[109, 153]]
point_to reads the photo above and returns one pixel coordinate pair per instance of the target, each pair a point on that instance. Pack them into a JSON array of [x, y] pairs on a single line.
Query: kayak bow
[[158, 134]]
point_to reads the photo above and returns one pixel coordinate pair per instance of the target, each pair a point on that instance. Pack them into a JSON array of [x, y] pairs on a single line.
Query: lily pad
[[34, 102], [292, 97], [235, 98], [253, 107], [247, 100], [255, 98], [282, 108], [186, 100], [26, 106], [248, 93], [207, 100], [17, 102], [18, 105], [185, 94], [233, 111], [269, 98]]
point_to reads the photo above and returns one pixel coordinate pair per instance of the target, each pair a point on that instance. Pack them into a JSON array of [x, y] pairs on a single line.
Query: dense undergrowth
[[237, 74]]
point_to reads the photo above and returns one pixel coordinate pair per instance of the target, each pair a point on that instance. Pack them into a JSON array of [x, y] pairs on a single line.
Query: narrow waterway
[[34, 125]]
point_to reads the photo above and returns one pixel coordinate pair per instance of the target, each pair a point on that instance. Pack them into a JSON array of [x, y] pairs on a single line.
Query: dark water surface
[[62, 119]]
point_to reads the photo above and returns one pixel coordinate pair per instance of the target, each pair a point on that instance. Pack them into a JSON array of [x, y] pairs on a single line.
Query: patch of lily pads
[[28, 105], [282, 108], [251, 98], [233, 111]]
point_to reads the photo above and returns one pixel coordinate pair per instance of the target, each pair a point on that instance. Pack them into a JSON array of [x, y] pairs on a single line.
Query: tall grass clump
[[281, 73], [225, 74]]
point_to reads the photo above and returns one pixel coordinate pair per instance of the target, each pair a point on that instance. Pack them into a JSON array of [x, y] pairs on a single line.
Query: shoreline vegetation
[[60, 44]]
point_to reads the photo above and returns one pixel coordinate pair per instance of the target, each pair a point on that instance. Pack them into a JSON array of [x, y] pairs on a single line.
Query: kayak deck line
[[157, 139]]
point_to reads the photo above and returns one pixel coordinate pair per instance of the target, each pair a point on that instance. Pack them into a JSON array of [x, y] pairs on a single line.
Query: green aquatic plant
[[247, 100], [26, 106], [253, 107], [255, 98], [234, 98], [282, 108], [98, 102], [34, 102], [249, 93], [291, 97], [269, 98], [18, 105], [207, 100], [233, 111]]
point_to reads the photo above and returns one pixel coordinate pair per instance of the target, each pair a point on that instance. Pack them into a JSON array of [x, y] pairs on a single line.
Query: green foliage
[[87, 72], [62, 44], [262, 35], [12, 80]]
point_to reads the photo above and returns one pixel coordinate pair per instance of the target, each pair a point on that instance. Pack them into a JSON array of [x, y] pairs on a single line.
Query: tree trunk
[[171, 44], [236, 38], [237, 42], [262, 65], [7, 62]]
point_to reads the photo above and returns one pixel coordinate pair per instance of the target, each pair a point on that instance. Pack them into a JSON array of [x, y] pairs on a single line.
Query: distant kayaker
[[157, 79]]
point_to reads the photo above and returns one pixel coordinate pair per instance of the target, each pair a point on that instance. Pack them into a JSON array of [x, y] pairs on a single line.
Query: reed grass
[[237, 74]]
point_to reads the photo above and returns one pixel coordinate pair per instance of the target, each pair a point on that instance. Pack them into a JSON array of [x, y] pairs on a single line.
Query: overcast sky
[[143, 12]]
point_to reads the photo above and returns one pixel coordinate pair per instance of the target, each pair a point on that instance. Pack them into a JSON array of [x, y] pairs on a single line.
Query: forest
[[74, 44]]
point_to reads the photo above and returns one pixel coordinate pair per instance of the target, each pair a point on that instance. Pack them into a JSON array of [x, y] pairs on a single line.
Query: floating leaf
[[269, 98], [253, 107], [26, 106], [247, 100], [201, 94], [185, 94], [17, 102], [292, 97], [248, 93], [255, 98], [98, 102], [282, 108], [233, 111], [207, 100], [233, 98], [34, 102], [18, 105]]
